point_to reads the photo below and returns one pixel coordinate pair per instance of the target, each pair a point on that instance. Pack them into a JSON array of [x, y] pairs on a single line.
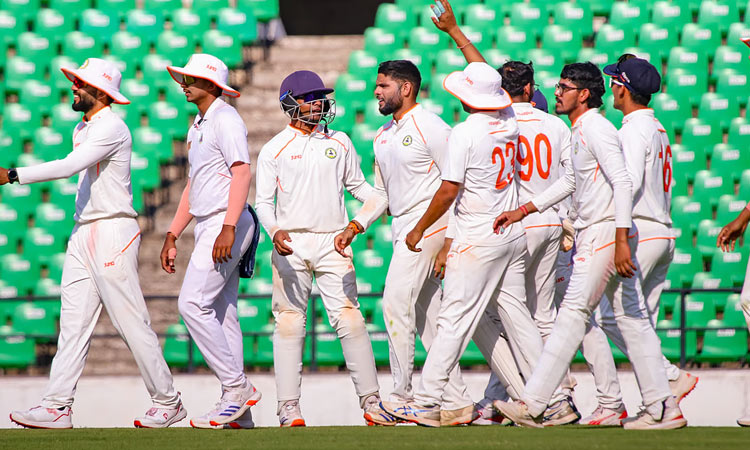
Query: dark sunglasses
[[187, 80], [312, 96], [78, 83]]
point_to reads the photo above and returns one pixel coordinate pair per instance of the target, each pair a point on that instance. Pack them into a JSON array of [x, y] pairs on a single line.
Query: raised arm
[[445, 21]]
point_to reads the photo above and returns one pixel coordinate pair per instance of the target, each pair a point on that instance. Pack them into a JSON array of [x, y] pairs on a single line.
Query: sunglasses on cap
[[614, 82]]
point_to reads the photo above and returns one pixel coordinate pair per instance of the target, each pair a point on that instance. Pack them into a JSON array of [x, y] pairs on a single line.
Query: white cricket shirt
[[602, 186], [101, 157], [410, 154], [648, 158], [306, 174], [481, 154], [215, 141]]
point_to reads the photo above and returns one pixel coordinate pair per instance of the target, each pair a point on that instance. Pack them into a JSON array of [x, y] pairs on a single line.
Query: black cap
[[638, 75]]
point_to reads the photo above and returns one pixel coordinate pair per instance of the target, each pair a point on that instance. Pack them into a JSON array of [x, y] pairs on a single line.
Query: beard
[[391, 105], [83, 104]]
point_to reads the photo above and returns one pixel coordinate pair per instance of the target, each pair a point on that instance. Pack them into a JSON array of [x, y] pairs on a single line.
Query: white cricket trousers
[[208, 298], [101, 267], [483, 285], [314, 254], [745, 296], [411, 301], [654, 254], [543, 244], [594, 275]]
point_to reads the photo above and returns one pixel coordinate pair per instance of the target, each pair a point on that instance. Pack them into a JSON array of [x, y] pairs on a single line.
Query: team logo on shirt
[[330, 153], [407, 141]]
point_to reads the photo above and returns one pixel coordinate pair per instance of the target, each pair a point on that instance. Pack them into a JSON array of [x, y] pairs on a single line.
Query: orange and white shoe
[[668, 417], [375, 415], [683, 385], [234, 403], [160, 417], [244, 422], [41, 417], [290, 414], [605, 417]]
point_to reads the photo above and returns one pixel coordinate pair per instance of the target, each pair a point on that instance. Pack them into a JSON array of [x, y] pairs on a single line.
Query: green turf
[[577, 438]]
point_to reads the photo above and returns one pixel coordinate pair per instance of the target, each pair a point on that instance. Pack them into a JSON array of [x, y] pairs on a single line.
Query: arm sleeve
[[437, 136], [231, 135], [239, 188], [265, 193], [634, 148], [606, 148], [563, 187], [98, 146], [376, 204], [182, 217], [354, 179], [458, 158]]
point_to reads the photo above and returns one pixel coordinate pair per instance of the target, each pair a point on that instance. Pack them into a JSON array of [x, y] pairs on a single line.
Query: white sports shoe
[[488, 415], [671, 418], [605, 417], [518, 412], [290, 415], [563, 412], [234, 403], [744, 421], [41, 417], [374, 414], [457, 417], [244, 422], [683, 385], [428, 416], [160, 417]]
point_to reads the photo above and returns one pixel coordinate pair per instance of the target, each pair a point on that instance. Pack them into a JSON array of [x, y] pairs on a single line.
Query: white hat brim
[[117, 97], [454, 84], [177, 74]]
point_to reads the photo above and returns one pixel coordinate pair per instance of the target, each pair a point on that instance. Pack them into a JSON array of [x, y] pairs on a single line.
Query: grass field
[[381, 438]]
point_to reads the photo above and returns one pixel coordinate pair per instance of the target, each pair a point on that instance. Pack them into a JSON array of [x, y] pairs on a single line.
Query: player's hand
[[168, 253], [447, 20], [4, 176], [623, 263], [568, 236], [730, 233], [222, 251], [342, 240], [412, 239], [506, 219], [279, 238], [441, 259]]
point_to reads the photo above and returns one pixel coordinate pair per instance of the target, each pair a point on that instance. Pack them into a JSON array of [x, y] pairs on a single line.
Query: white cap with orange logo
[[101, 74]]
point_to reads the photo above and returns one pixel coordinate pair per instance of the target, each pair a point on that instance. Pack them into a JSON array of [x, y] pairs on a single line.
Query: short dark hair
[[516, 75], [641, 99], [402, 70], [586, 76]]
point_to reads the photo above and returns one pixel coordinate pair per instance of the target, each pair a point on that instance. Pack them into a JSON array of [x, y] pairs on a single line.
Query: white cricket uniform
[[208, 298], [484, 270], [603, 202], [648, 158], [409, 156], [101, 263], [745, 296], [306, 174]]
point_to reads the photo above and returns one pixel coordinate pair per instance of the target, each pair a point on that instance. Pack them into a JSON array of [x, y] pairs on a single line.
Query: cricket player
[[101, 262], [411, 151], [606, 239], [648, 158], [216, 197], [726, 241], [302, 221]]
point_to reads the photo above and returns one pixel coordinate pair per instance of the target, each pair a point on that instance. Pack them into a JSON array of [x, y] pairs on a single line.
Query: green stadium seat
[[147, 25], [690, 60], [327, 345], [729, 267], [608, 108], [176, 345], [16, 351], [718, 110], [144, 173], [28, 318], [38, 244], [118, 7], [240, 24], [10, 26], [734, 315], [482, 18], [140, 94], [562, 40], [527, 16], [701, 135], [700, 39], [353, 92], [685, 263], [363, 65], [381, 43], [18, 71], [64, 119], [734, 85], [611, 39], [729, 208], [257, 286], [345, 117], [745, 185], [643, 54], [37, 96], [263, 10], [14, 225], [687, 212], [188, 22], [20, 121], [445, 111], [100, 24], [129, 47], [706, 235], [739, 133], [657, 40], [362, 136], [224, 46], [23, 10], [730, 57], [155, 70], [671, 112], [372, 114], [729, 161], [723, 345], [472, 356], [573, 15], [546, 61], [211, 8], [395, 19], [592, 55], [670, 344], [11, 149], [54, 219], [254, 314], [151, 143], [496, 58], [53, 23], [50, 144], [7, 243], [718, 14], [482, 41], [685, 162], [672, 15], [449, 60], [423, 40], [627, 15], [127, 70], [79, 46], [737, 32], [699, 309], [165, 7], [177, 45], [372, 266], [709, 185]]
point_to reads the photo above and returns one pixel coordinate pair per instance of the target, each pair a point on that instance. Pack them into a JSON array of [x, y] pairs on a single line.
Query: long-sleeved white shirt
[[648, 158], [215, 142], [306, 174], [602, 185], [409, 155], [543, 153], [102, 147], [481, 156]]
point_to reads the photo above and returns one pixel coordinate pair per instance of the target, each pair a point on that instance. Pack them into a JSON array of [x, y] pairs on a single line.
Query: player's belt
[[247, 263]]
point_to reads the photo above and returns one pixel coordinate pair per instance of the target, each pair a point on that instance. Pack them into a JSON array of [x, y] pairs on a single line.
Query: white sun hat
[[101, 74], [208, 67], [479, 86]]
